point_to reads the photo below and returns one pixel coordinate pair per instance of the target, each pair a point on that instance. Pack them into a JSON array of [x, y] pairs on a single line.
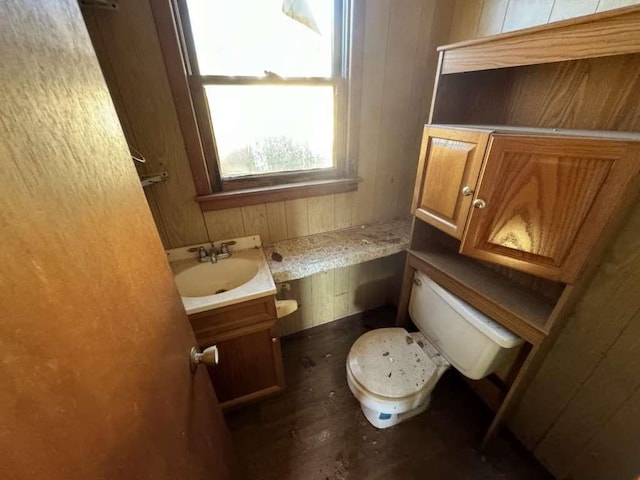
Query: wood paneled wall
[[127, 46], [581, 412], [398, 69], [334, 294], [479, 18]]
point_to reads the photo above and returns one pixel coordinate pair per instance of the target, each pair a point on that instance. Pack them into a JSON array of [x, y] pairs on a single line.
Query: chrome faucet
[[215, 254], [207, 256]]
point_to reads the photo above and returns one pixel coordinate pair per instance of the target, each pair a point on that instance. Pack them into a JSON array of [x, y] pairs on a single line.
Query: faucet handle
[[224, 246], [202, 253]]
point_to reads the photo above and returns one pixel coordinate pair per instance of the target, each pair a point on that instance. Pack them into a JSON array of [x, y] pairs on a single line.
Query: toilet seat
[[389, 363], [391, 370]]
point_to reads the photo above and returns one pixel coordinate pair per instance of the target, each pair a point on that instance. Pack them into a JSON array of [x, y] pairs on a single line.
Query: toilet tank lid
[[496, 332]]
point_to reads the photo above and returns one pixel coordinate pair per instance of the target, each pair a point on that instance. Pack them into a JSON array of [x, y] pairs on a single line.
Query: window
[[267, 80]]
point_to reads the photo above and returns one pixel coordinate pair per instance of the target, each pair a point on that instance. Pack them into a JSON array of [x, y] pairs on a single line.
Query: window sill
[[276, 193]]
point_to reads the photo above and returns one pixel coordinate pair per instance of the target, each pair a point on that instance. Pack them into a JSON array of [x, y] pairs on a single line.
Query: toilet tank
[[473, 343]]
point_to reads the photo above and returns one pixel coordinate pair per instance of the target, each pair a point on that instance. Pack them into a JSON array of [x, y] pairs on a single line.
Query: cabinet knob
[[479, 204], [467, 191], [274, 340]]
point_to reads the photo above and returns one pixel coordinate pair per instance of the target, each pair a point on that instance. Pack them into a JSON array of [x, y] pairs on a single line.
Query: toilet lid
[[388, 362]]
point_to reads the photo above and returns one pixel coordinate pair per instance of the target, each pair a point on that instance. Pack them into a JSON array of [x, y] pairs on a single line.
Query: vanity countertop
[[259, 285], [304, 256]]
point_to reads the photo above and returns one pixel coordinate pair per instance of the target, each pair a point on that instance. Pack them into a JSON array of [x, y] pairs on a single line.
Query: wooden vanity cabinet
[[250, 359], [533, 202]]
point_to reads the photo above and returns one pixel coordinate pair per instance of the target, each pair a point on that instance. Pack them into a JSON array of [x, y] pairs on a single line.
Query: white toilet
[[392, 372]]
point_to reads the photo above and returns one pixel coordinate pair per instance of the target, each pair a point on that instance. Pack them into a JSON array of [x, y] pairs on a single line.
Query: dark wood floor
[[315, 429]]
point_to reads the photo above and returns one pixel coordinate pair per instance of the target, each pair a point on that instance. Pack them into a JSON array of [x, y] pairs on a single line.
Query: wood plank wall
[[337, 293], [479, 18], [398, 63], [581, 414], [398, 71]]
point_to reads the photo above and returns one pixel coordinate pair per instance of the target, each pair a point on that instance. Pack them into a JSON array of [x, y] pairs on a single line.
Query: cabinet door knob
[[467, 191], [479, 204], [274, 340]]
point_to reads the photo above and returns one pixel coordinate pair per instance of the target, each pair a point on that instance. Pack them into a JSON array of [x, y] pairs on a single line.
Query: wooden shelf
[[549, 132], [522, 311], [614, 32]]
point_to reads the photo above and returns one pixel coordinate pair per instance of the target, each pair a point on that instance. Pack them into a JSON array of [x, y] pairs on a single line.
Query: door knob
[[209, 357], [479, 204], [467, 191]]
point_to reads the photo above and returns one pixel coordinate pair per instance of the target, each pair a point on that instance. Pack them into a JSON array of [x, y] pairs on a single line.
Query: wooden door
[[543, 202], [94, 342], [448, 169]]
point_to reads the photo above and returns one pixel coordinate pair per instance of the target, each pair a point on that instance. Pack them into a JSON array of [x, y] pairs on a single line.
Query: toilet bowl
[[392, 372]]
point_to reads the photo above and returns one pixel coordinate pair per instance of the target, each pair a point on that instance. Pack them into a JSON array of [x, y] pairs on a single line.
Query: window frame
[[188, 91]]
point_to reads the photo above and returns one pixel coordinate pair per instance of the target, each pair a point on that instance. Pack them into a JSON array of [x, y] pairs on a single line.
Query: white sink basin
[[204, 279], [206, 286]]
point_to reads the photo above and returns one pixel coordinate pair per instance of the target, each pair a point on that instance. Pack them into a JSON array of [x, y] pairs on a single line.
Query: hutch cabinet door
[[542, 202], [448, 169], [250, 365]]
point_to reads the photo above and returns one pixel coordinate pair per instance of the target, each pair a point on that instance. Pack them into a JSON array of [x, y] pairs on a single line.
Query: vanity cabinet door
[[250, 364], [450, 161], [250, 360], [542, 202]]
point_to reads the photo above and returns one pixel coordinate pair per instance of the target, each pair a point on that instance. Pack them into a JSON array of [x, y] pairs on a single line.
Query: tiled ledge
[[304, 256]]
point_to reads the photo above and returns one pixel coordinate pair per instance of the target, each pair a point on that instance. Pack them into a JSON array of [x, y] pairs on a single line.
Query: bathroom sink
[[203, 279], [207, 286]]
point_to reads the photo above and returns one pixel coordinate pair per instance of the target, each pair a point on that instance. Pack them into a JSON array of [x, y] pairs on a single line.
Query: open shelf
[[521, 310], [588, 94]]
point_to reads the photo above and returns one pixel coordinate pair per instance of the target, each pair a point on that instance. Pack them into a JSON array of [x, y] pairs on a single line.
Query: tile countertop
[[304, 256]]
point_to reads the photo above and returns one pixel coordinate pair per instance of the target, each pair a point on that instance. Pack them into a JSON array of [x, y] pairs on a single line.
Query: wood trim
[[402, 316], [422, 160], [166, 28], [354, 86], [436, 86], [533, 360], [176, 40], [613, 32], [254, 196], [265, 180], [259, 395]]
